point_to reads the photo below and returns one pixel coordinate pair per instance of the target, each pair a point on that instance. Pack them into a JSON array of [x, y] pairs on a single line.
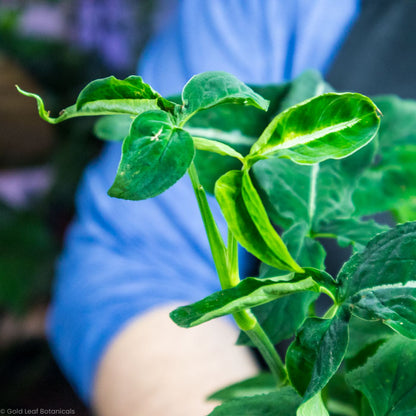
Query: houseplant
[[313, 165]]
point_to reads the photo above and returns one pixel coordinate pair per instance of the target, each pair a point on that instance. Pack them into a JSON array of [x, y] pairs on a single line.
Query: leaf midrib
[[310, 137]]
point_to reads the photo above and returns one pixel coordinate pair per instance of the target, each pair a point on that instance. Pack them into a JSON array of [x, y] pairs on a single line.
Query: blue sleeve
[[123, 258]]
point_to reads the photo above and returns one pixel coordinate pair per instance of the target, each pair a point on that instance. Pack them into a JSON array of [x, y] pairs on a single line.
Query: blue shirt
[[123, 258]]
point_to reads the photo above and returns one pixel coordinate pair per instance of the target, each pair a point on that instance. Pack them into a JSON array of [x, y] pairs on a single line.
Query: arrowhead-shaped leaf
[[380, 282], [330, 126], [319, 195], [109, 96], [120, 96], [317, 352], [155, 155], [209, 89]]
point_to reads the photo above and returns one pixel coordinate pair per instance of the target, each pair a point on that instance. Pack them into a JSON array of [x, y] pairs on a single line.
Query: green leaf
[[389, 184], [121, 96], [313, 407], [260, 384], [379, 283], [261, 220], [109, 96], [317, 352], [113, 128], [248, 293], [239, 126], [330, 126], [228, 192], [391, 181], [282, 317], [319, 196], [352, 231], [395, 305], [341, 399], [406, 211], [281, 403], [365, 338], [209, 89], [155, 155], [388, 379], [216, 147], [235, 126]]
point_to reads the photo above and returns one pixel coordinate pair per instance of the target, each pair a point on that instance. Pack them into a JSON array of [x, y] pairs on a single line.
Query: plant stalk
[[269, 353], [226, 263], [215, 240]]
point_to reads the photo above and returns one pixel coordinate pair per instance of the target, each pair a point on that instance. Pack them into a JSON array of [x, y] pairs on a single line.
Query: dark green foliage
[[155, 155], [248, 293], [281, 403], [209, 89], [261, 384], [306, 169], [388, 378], [316, 354]]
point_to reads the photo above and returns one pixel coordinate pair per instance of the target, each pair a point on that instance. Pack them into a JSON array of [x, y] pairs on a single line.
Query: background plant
[[314, 170]]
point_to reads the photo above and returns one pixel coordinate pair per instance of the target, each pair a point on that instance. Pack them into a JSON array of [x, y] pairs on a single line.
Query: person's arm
[[155, 368]]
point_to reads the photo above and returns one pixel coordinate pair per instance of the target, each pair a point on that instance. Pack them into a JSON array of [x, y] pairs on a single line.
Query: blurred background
[[52, 48]]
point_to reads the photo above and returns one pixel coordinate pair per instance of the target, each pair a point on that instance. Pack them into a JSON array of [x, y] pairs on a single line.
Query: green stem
[[232, 260], [226, 263], [269, 353], [215, 240]]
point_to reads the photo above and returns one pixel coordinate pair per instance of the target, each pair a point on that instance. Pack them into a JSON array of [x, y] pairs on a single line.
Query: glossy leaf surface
[[228, 191], [282, 317], [154, 156], [115, 95], [319, 195], [109, 96], [248, 293], [330, 126], [388, 379], [317, 352], [379, 283], [281, 403], [209, 89], [216, 147], [261, 220]]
